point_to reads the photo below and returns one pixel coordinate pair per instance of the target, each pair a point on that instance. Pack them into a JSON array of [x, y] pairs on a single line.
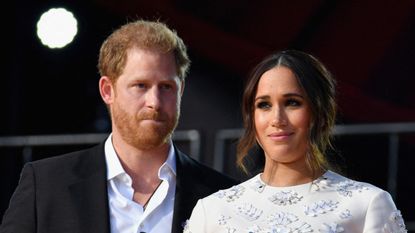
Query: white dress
[[329, 204]]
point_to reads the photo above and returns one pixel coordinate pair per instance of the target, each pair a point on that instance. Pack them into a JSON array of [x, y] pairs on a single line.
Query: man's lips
[[154, 121]]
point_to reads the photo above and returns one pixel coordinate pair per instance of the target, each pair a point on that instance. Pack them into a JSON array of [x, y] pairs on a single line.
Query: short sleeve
[[382, 216], [196, 223]]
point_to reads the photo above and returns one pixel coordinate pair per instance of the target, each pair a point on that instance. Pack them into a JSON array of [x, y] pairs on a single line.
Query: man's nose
[[153, 98]]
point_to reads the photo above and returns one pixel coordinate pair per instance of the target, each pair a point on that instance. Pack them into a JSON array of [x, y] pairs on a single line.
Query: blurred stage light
[[56, 28]]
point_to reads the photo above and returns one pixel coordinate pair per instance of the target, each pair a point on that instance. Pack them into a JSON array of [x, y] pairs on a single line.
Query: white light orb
[[57, 28]]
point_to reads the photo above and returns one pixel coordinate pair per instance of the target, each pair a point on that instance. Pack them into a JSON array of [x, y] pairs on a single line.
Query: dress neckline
[[261, 184]]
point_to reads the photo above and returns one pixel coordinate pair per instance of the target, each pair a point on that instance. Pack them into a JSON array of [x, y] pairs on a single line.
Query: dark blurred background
[[367, 45]]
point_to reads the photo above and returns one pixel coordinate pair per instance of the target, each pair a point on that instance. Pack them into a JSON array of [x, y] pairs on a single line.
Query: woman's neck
[[288, 174]]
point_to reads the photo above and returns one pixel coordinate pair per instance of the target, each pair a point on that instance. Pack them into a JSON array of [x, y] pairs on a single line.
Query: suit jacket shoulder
[[74, 164], [65, 193]]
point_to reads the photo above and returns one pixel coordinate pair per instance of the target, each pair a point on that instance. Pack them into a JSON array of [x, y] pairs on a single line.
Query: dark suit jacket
[[68, 193]]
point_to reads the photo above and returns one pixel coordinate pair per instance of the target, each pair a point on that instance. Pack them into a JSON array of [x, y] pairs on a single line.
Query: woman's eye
[[263, 105], [293, 102]]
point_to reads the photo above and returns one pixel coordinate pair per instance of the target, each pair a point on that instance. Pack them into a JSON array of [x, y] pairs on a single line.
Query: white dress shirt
[[127, 216]]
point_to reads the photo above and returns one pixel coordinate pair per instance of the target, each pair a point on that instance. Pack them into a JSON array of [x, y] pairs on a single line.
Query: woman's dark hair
[[319, 88]]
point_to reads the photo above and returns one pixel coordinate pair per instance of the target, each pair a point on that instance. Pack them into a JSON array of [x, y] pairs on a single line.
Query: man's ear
[[181, 87], [106, 89]]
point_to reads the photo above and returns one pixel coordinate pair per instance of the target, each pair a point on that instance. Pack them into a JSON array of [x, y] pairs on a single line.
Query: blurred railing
[[28, 142]]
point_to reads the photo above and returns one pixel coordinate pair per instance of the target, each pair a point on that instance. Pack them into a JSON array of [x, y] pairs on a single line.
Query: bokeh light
[[57, 28]]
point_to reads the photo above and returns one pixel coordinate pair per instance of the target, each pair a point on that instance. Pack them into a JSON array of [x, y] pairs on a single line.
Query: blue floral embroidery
[[231, 194], [254, 229], [285, 198], [223, 220], [248, 211], [346, 188], [395, 223], [345, 214], [284, 222], [320, 207], [331, 228]]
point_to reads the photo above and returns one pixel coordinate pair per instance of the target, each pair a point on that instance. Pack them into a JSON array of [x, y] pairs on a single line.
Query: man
[[135, 181]]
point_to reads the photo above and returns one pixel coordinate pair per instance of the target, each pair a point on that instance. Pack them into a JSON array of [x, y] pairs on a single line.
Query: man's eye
[[140, 85], [166, 87]]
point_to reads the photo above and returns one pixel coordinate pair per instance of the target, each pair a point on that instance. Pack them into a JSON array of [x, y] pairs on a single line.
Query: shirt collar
[[114, 167], [170, 161]]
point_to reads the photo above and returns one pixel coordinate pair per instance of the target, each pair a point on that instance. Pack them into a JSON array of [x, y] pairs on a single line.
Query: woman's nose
[[279, 119]]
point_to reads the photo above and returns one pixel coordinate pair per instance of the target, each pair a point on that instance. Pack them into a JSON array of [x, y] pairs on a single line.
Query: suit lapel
[[89, 193], [187, 191], [181, 194]]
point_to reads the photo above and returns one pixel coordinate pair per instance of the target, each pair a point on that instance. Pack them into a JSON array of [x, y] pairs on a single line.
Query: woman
[[289, 111]]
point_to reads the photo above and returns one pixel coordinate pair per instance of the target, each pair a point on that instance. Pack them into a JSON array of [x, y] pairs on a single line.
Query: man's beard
[[148, 135]]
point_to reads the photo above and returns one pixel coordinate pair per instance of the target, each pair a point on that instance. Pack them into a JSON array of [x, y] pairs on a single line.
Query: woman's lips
[[280, 136]]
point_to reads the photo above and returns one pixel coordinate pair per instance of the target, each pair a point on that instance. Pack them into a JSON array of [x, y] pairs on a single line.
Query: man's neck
[[141, 165]]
